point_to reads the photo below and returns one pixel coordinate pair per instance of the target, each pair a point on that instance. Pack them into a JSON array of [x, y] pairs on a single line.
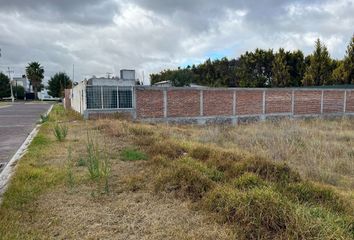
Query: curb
[[9, 170]]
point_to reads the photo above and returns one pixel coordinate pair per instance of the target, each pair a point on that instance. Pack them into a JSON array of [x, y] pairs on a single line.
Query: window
[[105, 97], [125, 97]]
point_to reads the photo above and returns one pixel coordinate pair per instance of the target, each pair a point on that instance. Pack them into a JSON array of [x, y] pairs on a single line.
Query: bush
[[275, 172], [248, 181], [210, 172], [60, 132], [130, 154], [262, 212], [307, 192], [168, 148], [185, 181], [200, 153]]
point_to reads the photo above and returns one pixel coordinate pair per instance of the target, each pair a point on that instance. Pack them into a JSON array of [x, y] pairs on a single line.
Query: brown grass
[[198, 182]]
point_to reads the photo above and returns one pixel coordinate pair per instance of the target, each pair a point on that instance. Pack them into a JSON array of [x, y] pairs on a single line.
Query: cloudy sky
[[100, 36]]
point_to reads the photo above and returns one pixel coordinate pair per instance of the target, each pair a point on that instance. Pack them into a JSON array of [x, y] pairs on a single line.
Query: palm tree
[[35, 73]]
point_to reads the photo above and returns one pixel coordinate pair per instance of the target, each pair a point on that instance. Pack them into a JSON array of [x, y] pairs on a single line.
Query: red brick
[[333, 101], [350, 102], [149, 103], [278, 101], [183, 103], [249, 102], [307, 102], [217, 102]]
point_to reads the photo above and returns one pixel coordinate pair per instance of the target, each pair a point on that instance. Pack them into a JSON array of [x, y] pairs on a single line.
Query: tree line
[[35, 75], [266, 68]]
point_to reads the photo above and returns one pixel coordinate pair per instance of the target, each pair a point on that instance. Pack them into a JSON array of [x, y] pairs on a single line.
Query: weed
[[93, 157], [201, 153], [210, 172], [248, 181], [60, 132], [280, 173], [44, 118], [130, 154], [81, 162], [261, 211], [184, 181], [69, 169], [307, 192]]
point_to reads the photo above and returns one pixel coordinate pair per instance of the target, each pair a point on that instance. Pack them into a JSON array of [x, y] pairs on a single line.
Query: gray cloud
[[150, 35]]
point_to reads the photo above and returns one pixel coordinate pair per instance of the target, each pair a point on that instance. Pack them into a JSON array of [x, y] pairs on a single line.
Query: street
[[16, 121]]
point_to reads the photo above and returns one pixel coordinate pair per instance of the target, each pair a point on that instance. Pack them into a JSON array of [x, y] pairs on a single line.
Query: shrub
[[185, 181], [140, 130], [279, 173], [262, 212], [200, 153], [130, 154], [210, 172], [60, 132], [307, 192], [166, 147], [44, 118], [248, 181]]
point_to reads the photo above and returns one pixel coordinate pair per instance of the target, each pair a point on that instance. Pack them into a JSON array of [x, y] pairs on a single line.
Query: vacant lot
[[112, 179]]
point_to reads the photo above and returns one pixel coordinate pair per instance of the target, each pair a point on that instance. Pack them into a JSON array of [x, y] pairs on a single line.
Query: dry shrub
[[248, 181], [307, 192], [210, 172], [113, 128], [262, 212], [140, 130], [275, 172], [185, 181], [166, 147], [201, 152]]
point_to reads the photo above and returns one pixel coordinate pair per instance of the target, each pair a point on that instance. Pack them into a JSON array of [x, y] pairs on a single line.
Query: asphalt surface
[[16, 123]]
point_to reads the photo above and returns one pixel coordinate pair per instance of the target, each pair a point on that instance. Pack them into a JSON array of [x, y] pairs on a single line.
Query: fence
[[109, 97], [233, 105]]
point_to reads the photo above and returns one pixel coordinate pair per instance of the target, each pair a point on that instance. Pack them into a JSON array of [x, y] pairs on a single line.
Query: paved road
[[16, 122]]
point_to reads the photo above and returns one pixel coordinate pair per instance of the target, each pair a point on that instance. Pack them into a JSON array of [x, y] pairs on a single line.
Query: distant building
[[23, 82], [127, 78]]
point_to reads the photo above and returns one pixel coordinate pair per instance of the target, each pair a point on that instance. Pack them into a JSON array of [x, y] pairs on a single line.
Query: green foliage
[[280, 70], [210, 172], [318, 72], [44, 118], [130, 154], [348, 66], [275, 172], [69, 169], [248, 181], [307, 192], [261, 212], [58, 83], [60, 131], [35, 74], [4, 86], [19, 92], [185, 181]]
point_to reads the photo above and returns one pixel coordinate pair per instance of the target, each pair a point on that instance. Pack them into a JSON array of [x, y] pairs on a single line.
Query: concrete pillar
[[263, 117], [345, 101], [322, 93]]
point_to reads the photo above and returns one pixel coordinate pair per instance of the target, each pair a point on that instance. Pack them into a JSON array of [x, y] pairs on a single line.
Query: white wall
[[78, 97]]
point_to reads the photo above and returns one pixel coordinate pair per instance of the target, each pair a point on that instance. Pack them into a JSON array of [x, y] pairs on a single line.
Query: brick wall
[[278, 102], [218, 103], [249, 102], [152, 102], [149, 104]]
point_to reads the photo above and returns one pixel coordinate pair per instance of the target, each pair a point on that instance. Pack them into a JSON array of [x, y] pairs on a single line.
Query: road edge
[[9, 170]]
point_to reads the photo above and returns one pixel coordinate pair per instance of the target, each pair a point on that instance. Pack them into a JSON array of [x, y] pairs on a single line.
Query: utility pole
[[12, 93]]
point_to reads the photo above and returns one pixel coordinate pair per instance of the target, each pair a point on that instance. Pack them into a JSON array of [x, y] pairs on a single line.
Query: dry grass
[[280, 180]]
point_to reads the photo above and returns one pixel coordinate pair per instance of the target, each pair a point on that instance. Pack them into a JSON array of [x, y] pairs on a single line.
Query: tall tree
[[35, 73], [58, 83], [280, 70], [318, 72], [297, 66], [4, 86], [348, 66]]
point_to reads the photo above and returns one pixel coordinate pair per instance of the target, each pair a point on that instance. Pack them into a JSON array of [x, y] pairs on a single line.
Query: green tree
[[338, 74], [58, 83], [19, 92], [35, 74], [4, 86], [348, 66], [318, 72], [297, 66], [280, 70]]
